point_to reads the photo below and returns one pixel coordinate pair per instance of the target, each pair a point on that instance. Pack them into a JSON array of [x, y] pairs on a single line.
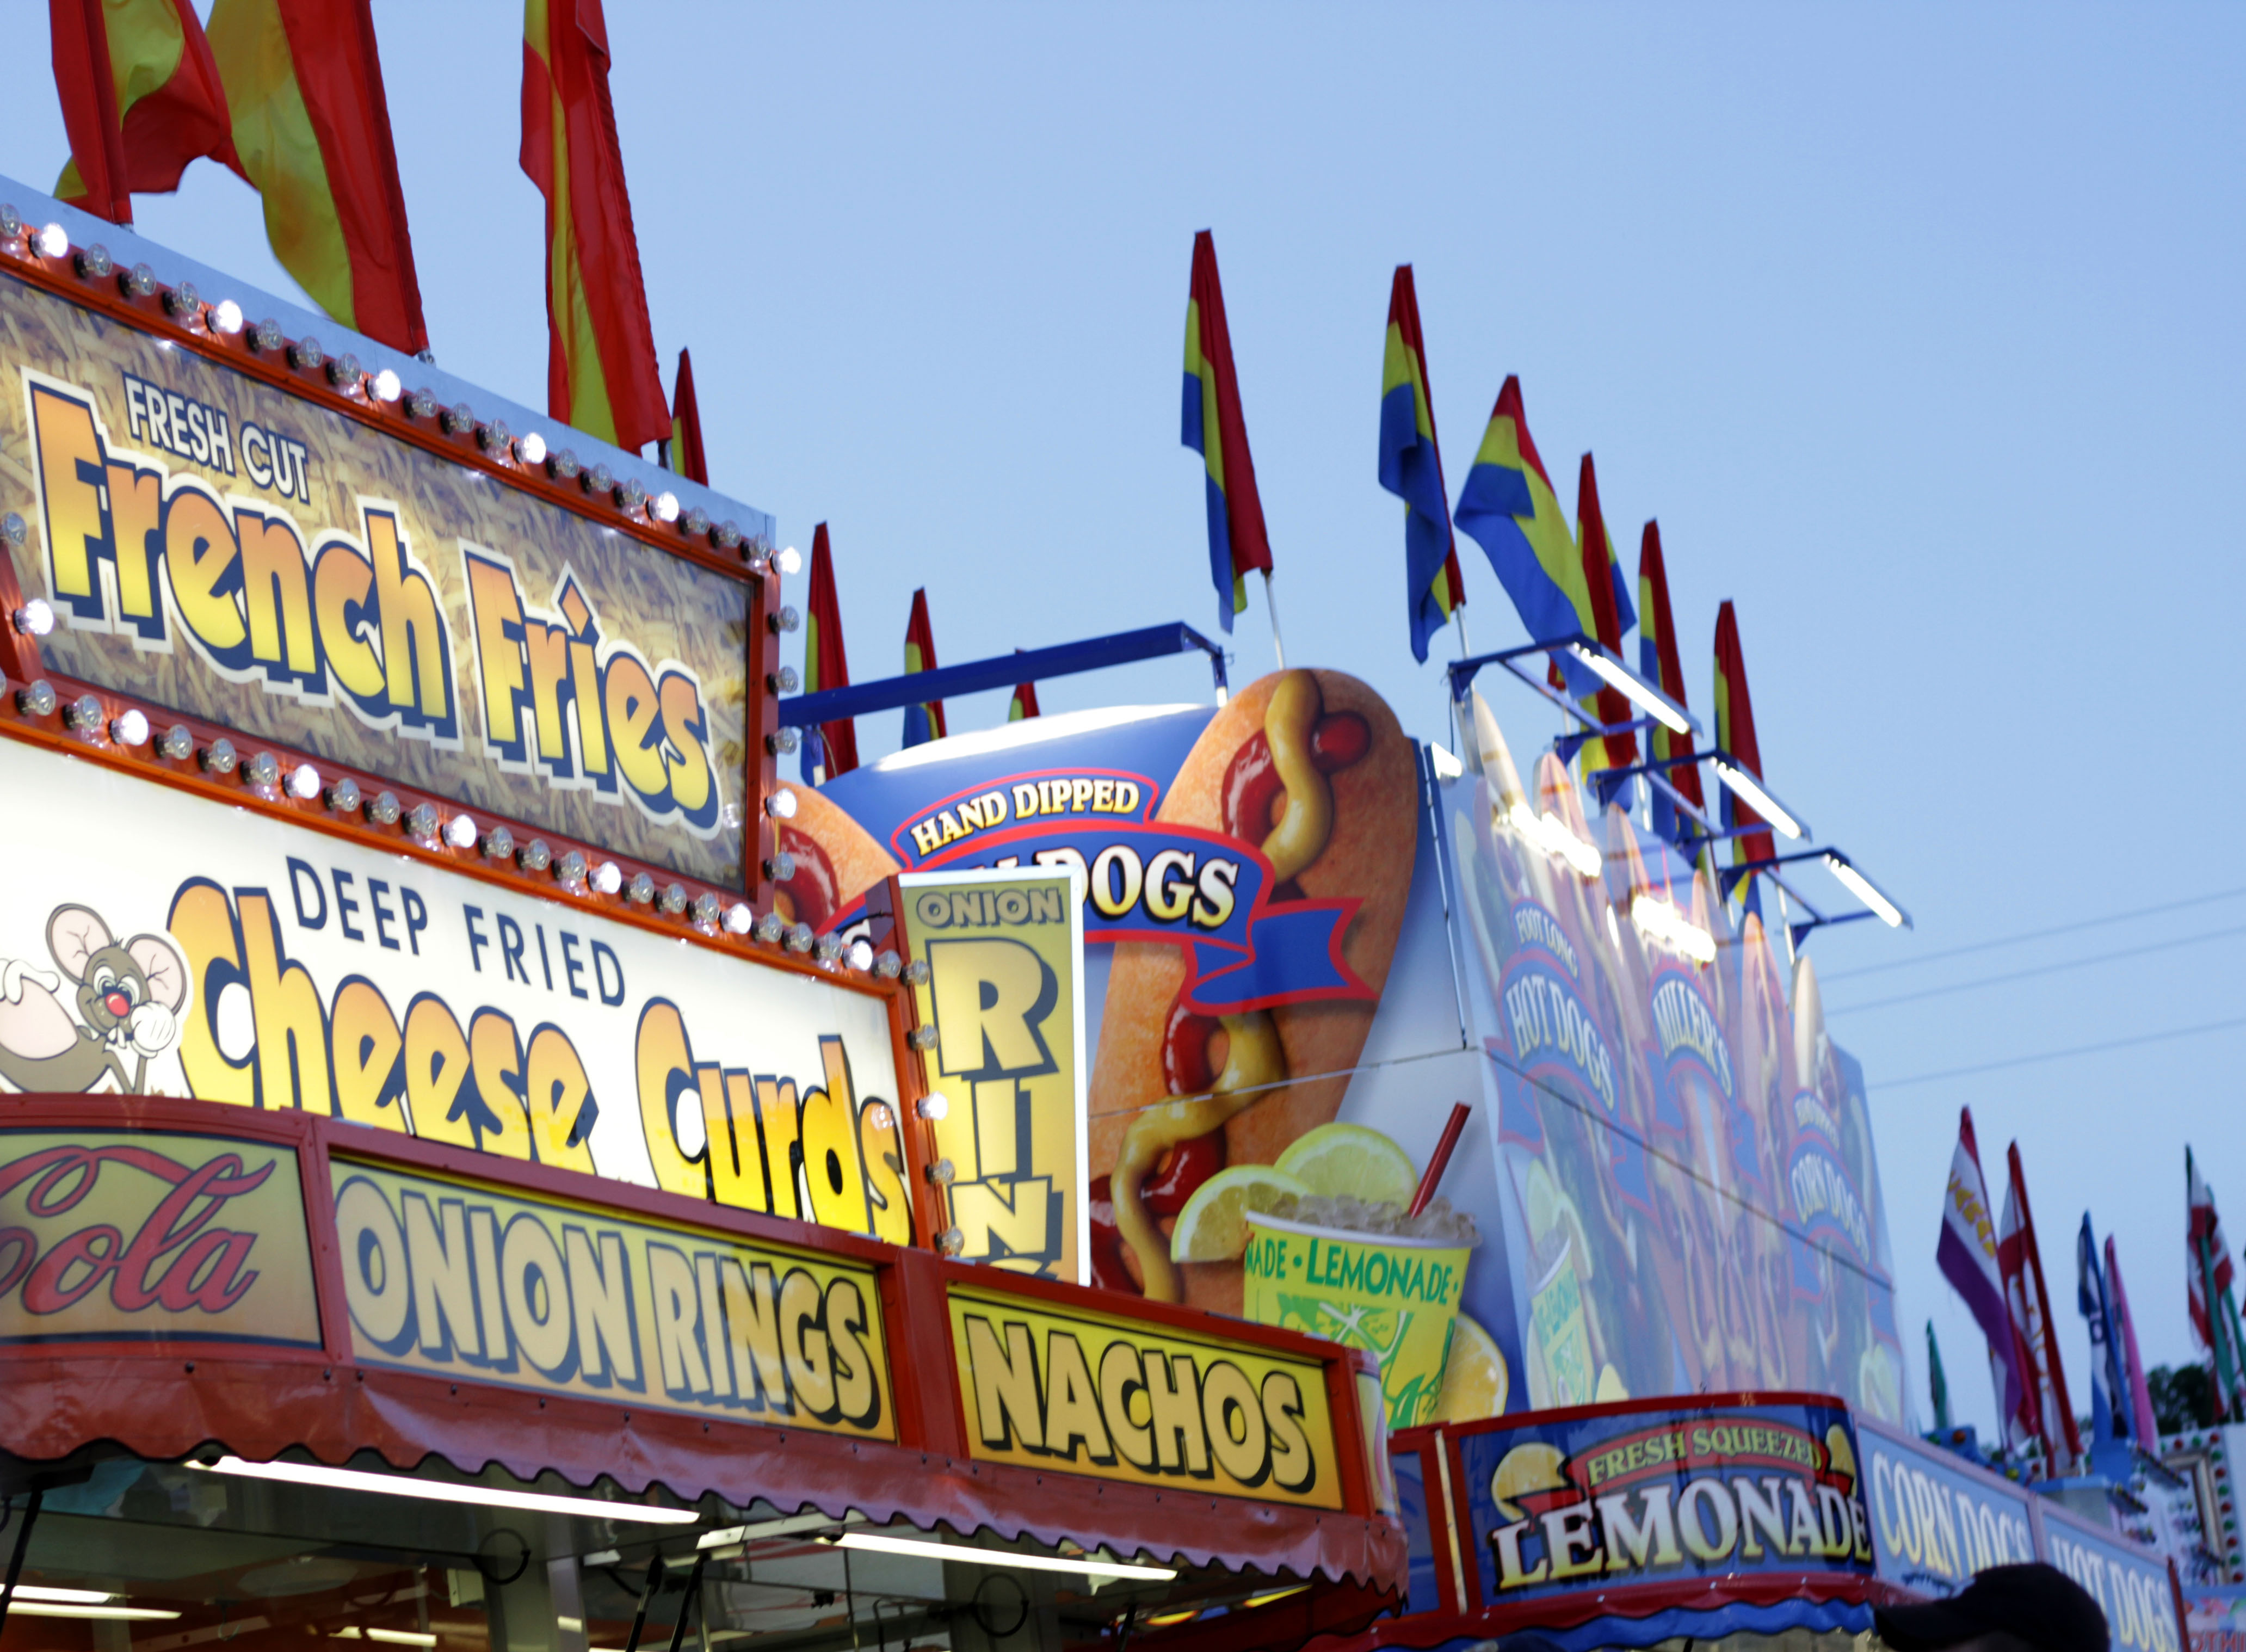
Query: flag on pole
[[2143, 1427], [141, 100], [2214, 1310], [1937, 1385], [1735, 737], [1411, 468], [923, 721], [683, 452], [312, 125], [2021, 1259], [601, 373], [1611, 615], [1214, 427], [1659, 663], [832, 746], [2109, 1390], [1024, 702], [1507, 508], [1967, 1257]]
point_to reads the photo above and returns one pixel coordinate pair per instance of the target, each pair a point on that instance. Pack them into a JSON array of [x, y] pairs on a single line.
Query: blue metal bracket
[[1033, 665]]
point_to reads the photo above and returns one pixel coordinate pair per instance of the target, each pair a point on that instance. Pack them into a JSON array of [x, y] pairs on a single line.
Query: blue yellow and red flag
[[141, 100], [682, 453], [1411, 468], [1214, 428], [832, 746], [311, 125], [1024, 702], [1508, 509], [1658, 663], [1735, 736], [1610, 615], [923, 721], [600, 371]]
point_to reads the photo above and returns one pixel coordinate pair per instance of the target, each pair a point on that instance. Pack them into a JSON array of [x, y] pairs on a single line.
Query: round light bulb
[[130, 728], [665, 506], [788, 559], [530, 448], [608, 877], [387, 386], [227, 317], [35, 618], [54, 241], [861, 954], [304, 782], [781, 804], [461, 831], [739, 919]]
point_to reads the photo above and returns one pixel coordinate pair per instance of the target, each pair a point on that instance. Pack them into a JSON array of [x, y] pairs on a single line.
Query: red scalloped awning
[[166, 1396]]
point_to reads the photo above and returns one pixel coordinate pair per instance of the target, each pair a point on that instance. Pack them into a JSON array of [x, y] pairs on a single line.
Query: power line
[[2033, 934], [2040, 969], [2063, 1055]]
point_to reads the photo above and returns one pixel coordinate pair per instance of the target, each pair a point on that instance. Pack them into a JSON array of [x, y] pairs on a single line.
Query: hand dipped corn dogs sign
[[217, 544], [1303, 947], [237, 958]]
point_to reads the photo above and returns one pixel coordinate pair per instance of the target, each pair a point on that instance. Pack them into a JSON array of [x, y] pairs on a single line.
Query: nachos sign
[[1604, 1496]]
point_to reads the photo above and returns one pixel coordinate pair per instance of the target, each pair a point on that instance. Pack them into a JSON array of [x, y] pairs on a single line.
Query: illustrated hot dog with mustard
[[1310, 768], [836, 860]]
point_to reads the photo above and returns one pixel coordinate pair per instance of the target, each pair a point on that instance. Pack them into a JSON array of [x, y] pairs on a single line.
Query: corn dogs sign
[[234, 958], [247, 556]]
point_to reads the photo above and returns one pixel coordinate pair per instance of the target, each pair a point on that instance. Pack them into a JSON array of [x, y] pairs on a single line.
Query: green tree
[[2181, 1397]]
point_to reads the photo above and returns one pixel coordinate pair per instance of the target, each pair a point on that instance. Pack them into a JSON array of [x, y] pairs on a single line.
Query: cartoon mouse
[[129, 997]]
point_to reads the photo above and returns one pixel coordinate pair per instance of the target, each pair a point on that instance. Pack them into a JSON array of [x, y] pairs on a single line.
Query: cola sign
[[106, 1235]]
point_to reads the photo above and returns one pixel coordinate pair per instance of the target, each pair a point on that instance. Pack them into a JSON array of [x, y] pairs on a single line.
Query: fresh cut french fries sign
[[1004, 950]]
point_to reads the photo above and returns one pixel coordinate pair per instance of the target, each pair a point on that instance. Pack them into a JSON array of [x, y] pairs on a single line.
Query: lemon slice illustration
[[1213, 1228], [1533, 1466], [1475, 1380], [1351, 1159], [1839, 1458]]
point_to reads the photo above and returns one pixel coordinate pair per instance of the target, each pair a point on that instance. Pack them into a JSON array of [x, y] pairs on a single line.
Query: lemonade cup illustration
[[1395, 1296]]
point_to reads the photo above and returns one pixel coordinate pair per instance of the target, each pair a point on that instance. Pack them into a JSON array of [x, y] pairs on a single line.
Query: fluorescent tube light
[[1648, 698], [64, 1597], [351, 1479], [1552, 835], [1447, 766], [786, 1525], [1660, 920], [1866, 890], [1750, 791], [66, 1609], [931, 1549]]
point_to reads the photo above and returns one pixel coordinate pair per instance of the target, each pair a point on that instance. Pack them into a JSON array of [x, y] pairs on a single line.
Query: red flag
[[685, 455], [304, 94], [923, 721], [2051, 1413], [824, 664], [1602, 569], [601, 373], [1735, 735], [141, 100], [1215, 428], [1024, 702]]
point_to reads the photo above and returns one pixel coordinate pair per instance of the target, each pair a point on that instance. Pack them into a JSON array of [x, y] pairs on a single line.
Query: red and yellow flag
[[1214, 427], [684, 456], [1660, 664], [601, 373], [1735, 737], [924, 721], [1024, 702], [303, 89], [141, 100], [1611, 615], [825, 666]]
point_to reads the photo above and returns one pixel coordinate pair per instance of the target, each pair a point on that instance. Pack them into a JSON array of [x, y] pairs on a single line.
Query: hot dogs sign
[[219, 546], [238, 959]]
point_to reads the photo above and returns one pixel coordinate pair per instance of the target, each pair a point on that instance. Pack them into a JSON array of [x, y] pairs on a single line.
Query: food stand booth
[[443, 1201]]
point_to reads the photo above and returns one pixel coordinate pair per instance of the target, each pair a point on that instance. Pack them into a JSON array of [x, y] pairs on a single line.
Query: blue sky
[[1918, 328]]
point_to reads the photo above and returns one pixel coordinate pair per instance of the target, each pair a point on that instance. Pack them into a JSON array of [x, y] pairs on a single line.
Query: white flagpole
[[1278, 647]]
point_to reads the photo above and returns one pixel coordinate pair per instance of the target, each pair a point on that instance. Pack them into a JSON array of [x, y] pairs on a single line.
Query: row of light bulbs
[[529, 451], [268, 777]]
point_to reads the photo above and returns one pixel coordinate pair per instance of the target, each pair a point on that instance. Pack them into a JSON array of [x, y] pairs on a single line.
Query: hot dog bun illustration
[[1311, 768], [836, 860]]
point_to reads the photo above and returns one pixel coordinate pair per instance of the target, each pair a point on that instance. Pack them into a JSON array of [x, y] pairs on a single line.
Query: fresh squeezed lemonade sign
[[468, 1280], [239, 959], [224, 547]]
